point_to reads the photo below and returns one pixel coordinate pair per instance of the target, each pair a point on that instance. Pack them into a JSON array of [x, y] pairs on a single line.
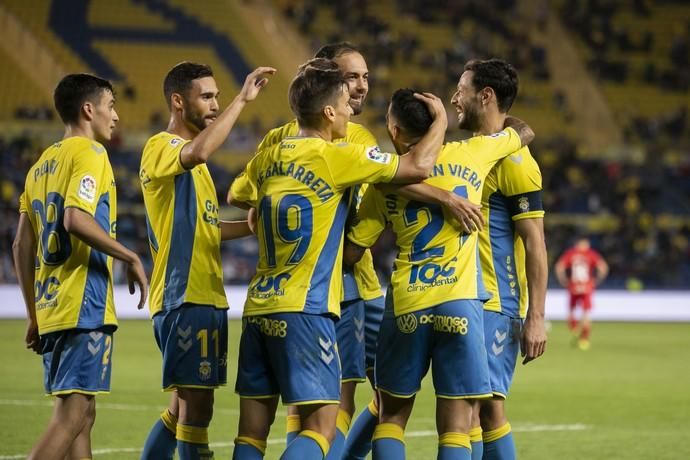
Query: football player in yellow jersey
[[362, 303], [188, 302], [434, 309], [512, 249], [302, 189], [63, 257]]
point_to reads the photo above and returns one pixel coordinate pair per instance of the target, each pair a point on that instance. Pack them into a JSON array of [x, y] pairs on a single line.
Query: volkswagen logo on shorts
[[407, 324]]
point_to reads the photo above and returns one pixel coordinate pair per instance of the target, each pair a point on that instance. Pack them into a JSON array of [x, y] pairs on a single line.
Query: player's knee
[[492, 414]]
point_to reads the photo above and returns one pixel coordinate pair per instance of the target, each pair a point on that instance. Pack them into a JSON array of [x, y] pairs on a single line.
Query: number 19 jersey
[[73, 284], [300, 190], [435, 263]]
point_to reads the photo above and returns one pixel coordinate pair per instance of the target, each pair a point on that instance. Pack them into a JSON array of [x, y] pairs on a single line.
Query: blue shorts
[[77, 361], [373, 315], [349, 331], [194, 342], [451, 335], [293, 355], [502, 340]]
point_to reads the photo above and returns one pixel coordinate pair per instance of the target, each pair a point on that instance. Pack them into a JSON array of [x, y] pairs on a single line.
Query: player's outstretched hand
[[435, 105], [466, 213], [254, 82], [32, 340], [136, 275], [533, 340]]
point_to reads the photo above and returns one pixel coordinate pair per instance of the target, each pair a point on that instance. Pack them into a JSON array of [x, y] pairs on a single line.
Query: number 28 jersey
[[73, 284], [300, 190]]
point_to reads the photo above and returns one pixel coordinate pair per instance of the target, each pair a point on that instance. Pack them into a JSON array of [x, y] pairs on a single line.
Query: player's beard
[[471, 119], [193, 118]]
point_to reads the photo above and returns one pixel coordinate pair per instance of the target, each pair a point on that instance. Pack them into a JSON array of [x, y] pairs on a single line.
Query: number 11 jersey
[[74, 284]]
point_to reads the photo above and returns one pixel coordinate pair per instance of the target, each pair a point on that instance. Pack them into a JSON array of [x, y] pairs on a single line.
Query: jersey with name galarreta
[[300, 188]]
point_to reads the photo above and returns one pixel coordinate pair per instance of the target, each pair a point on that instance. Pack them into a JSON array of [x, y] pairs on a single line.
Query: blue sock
[[248, 449], [292, 428], [358, 442], [477, 443], [308, 445], [499, 444], [192, 443], [454, 446], [388, 442], [342, 427], [160, 443]]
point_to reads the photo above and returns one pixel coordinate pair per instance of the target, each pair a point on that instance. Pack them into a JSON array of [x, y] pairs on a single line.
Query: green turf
[[627, 397]]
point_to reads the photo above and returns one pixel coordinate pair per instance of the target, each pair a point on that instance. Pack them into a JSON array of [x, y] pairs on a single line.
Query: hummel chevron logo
[[497, 350], [184, 333], [517, 159], [359, 324], [500, 337], [325, 345], [326, 355], [359, 335], [93, 349], [95, 335], [184, 345]]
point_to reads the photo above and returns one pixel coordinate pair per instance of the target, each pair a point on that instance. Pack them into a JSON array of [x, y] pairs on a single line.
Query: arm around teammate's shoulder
[[521, 128]]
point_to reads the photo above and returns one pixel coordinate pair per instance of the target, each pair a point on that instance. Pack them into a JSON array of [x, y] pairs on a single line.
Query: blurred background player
[[303, 184], [580, 269], [434, 312], [512, 250], [188, 302], [63, 258]]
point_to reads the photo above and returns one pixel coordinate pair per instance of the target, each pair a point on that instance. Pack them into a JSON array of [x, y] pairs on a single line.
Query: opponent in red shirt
[[580, 269]]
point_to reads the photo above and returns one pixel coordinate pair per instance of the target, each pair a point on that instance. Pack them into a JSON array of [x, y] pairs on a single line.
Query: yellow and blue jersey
[[74, 283], [435, 262], [512, 192], [183, 227], [366, 283], [301, 189]]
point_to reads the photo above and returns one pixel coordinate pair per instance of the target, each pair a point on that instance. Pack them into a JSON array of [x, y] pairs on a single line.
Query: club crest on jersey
[[375, 154], [523, 204], [204, 370], [407, 324], [175, 141], [87, 188]]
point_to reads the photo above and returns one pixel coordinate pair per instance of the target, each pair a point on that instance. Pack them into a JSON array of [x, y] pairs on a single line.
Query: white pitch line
[[526, 428]]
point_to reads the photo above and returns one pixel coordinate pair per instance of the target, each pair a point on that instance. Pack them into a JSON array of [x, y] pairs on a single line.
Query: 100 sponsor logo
[[431, 275], [45, 292], [269, 286]]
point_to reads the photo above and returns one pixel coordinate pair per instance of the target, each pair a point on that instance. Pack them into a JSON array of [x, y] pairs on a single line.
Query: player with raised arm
[[301, 188], [434, 311], [580, 269], [511, 247], [362, 303], [188, 302], [63, 255]]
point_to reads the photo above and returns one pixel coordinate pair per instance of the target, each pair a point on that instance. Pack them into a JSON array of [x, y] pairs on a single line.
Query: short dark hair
[[75, 89], [411, 114], [318, 83], [497, 75], [335, 50], [180, 78]]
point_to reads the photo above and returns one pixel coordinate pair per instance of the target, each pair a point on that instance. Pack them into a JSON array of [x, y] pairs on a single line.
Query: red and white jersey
[[580, 268]]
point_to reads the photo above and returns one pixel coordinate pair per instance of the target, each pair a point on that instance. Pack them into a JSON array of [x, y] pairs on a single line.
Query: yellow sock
[[498, 433], [169, 420], [343, 421], [476, 434], [389, 430], [259, 445], [319, 438], [451, 439]]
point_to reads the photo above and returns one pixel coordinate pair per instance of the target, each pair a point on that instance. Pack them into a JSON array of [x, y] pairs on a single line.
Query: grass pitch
[[626, 398]]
